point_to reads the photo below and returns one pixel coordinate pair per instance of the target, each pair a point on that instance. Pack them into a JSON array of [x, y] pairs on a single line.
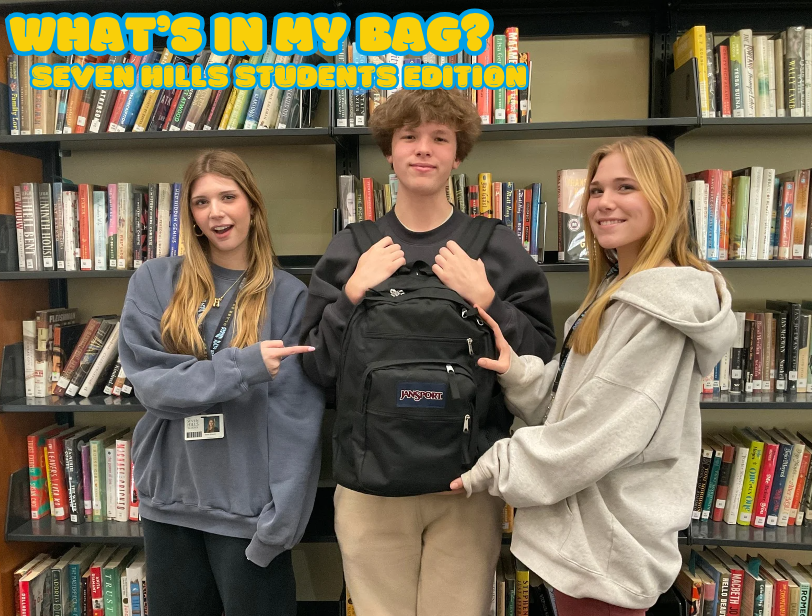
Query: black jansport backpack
[[410, 396]]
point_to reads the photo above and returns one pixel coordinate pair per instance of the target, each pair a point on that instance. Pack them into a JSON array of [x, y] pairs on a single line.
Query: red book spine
[[765, 483], [758, 355], [785, 220], [724, 58], [724, 214], [96, 594], [734, 596], [473, 205], [484, 97], [728, 456], [799, 488], [369, 199], [133, 495], [172, 108], [121, 99], [25, 598], [86, 262], [56, 469]]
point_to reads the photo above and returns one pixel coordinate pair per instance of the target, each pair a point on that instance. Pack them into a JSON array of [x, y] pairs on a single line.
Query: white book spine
[[771, 74], [69, 220], [100, 229], [734, 494], [106, 356], [125, 594], [724, 372], [754, 212], [765, 221], [808, 72], [29, 348], [122, 480], [748, 85]]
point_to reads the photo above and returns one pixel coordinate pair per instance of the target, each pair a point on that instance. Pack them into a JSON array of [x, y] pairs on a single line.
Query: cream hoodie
[[603, 487]]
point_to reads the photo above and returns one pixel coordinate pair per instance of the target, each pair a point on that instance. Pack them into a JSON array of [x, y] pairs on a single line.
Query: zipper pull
[[470, 346], [465, 429], [449, 368]]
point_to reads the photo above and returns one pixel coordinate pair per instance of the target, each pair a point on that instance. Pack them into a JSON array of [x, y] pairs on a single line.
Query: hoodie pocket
[[589, 540]]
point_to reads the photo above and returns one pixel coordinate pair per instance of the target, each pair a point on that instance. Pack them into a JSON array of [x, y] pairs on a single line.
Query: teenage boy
[[432, 553]]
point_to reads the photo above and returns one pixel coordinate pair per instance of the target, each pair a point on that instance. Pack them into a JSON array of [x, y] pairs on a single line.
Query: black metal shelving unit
[[660, 20]]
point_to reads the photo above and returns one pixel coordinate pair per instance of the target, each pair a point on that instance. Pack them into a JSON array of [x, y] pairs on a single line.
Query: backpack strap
[[477, 234], [366, 233]]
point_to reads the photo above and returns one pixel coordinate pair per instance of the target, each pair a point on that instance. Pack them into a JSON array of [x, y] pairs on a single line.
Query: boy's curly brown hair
[[415, 107]]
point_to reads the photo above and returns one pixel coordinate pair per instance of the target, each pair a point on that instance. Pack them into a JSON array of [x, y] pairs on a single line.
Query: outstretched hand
[[502, 364], [274, 351]]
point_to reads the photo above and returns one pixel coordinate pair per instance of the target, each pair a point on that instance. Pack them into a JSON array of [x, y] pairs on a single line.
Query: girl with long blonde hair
[[603, 476], [226, 456]]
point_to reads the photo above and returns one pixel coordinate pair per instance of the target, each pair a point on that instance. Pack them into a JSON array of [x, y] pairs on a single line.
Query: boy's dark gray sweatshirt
[[521, 306], [259, 481]]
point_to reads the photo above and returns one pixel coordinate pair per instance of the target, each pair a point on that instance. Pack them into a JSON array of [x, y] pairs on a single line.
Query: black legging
[[193, 573]]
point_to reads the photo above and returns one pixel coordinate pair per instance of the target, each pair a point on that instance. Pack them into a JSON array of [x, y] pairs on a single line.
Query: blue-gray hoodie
[[259, 482]]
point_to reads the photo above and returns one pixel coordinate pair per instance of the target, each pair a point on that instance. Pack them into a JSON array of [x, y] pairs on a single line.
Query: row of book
[[755, 477], [72, 111], [91, 580], [746, 76], [499, 106], [520, 209], [65, 358], [716, 582], [751, 214], [81, 474], [69, 227], [772, 352]]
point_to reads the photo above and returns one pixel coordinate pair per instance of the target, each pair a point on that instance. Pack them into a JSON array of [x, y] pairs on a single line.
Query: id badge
[[203, 427]]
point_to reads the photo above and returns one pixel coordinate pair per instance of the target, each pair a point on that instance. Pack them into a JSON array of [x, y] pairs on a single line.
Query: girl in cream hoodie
[[604, 475]]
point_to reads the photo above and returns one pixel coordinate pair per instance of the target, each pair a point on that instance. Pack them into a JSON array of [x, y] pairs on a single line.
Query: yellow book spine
[[229, 108], [692, 45], [485, 187], [750, 480], [145, 113], [522, 589]]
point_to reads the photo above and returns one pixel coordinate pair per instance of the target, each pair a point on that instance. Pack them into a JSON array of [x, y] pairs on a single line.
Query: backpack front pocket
[[417, 422]]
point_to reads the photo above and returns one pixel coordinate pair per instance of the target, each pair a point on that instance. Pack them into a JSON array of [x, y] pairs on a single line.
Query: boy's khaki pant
[[428, 555]]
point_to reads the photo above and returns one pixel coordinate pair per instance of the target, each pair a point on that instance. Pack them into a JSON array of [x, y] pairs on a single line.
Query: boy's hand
[[374, 266], [462, 274]]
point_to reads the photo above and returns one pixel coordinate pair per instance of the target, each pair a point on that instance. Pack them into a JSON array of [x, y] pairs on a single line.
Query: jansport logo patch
[[424, 395]]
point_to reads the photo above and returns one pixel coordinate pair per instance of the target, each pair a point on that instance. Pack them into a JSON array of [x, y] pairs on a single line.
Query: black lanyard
[[565, 348], [220, 332]]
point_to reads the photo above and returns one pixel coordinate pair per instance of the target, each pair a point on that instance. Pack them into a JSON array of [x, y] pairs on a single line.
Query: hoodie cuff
[[251, 365], [515, 375], [262, 554], [477, 479]]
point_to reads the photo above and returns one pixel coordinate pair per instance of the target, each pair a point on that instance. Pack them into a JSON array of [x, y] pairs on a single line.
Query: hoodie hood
[[696, 303]]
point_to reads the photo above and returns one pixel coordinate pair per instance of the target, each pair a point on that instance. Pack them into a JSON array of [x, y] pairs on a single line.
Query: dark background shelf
[[173, 139], [55, 404], [757, 401], [754, 127], [733, 535]]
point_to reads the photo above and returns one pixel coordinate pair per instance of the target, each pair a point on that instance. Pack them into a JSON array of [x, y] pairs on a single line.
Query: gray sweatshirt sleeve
[[296, 406], [609, 422], [172, 385]]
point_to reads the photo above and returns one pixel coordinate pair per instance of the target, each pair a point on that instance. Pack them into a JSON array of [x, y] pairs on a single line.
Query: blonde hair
[[662, 182], [179, 325]]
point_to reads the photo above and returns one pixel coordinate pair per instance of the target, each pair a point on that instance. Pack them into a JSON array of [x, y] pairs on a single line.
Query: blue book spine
[[535, 221], [508, 195], [74, 590], [174, 220], [135, 599], [14, 94], [779, 480], [255, 108]]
